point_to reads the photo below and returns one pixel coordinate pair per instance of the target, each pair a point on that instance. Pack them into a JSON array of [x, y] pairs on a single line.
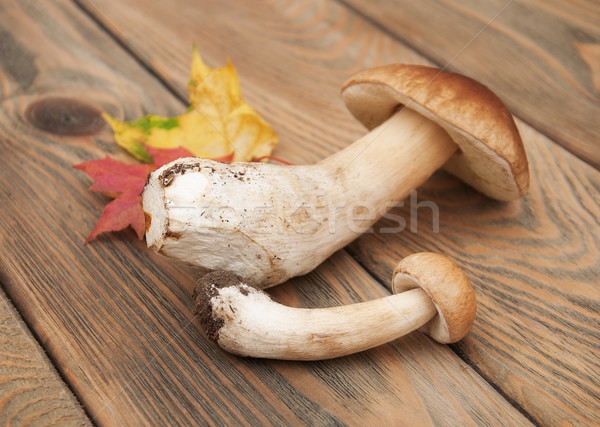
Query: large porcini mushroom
[[430, 292], [268, 222]]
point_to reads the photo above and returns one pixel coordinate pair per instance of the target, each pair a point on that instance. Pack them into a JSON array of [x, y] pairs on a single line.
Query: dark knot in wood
[[64, 116]]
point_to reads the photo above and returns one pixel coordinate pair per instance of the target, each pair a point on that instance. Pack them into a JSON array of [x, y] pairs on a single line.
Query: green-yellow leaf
[[219, 122]]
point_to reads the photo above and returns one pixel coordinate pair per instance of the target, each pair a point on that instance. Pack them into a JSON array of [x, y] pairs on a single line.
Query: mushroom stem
[[246, 321], [391, 160], [270, 222], [268, 329]]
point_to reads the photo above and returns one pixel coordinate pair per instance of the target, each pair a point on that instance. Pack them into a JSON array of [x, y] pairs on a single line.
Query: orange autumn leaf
[[218, 123]]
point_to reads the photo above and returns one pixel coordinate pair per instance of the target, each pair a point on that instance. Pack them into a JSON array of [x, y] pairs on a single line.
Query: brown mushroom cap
[[491, 156], [448, 288]]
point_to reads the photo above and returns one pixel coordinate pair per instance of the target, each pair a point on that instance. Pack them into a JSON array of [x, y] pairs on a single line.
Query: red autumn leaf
[[124, 183], [113, 177], [225, 159], [162, 156], [125, 210]]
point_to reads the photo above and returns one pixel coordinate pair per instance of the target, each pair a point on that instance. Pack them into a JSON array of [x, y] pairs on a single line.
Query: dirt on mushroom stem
[[206, 288]]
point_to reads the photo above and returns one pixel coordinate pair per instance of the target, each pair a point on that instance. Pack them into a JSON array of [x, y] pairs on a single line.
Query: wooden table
[[104, 333]]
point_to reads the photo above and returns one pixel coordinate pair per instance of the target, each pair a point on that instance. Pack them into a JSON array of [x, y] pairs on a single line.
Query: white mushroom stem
[[269, 222], [387, 163], [431, 293], [260, 327]]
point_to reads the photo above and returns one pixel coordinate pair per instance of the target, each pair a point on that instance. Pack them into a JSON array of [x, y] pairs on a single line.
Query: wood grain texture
[[529, 52], [31, 392], [534, 262], [116, 318]]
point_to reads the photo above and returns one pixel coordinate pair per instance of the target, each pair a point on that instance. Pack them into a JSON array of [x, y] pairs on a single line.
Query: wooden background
[[114, 318]]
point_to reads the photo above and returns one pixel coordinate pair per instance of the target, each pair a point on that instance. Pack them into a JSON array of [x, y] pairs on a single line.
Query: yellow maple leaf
[[219, 122]]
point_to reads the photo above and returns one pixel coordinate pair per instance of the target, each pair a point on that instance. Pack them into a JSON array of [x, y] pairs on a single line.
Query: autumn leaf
[[163, 156], [125, 210], [125, 183], [113, 178], [218, 123]]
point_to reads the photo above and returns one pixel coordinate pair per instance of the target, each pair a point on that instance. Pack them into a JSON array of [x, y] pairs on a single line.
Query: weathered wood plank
[[534, 262], [117, 318], [541, 57], [31, 392]]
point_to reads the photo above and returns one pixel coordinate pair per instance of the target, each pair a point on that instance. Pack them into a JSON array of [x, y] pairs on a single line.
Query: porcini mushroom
[[430, 293], [270, 222]]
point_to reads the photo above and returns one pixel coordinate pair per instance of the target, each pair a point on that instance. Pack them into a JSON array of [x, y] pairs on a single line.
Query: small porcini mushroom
[[430, 292], [268, 222]]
